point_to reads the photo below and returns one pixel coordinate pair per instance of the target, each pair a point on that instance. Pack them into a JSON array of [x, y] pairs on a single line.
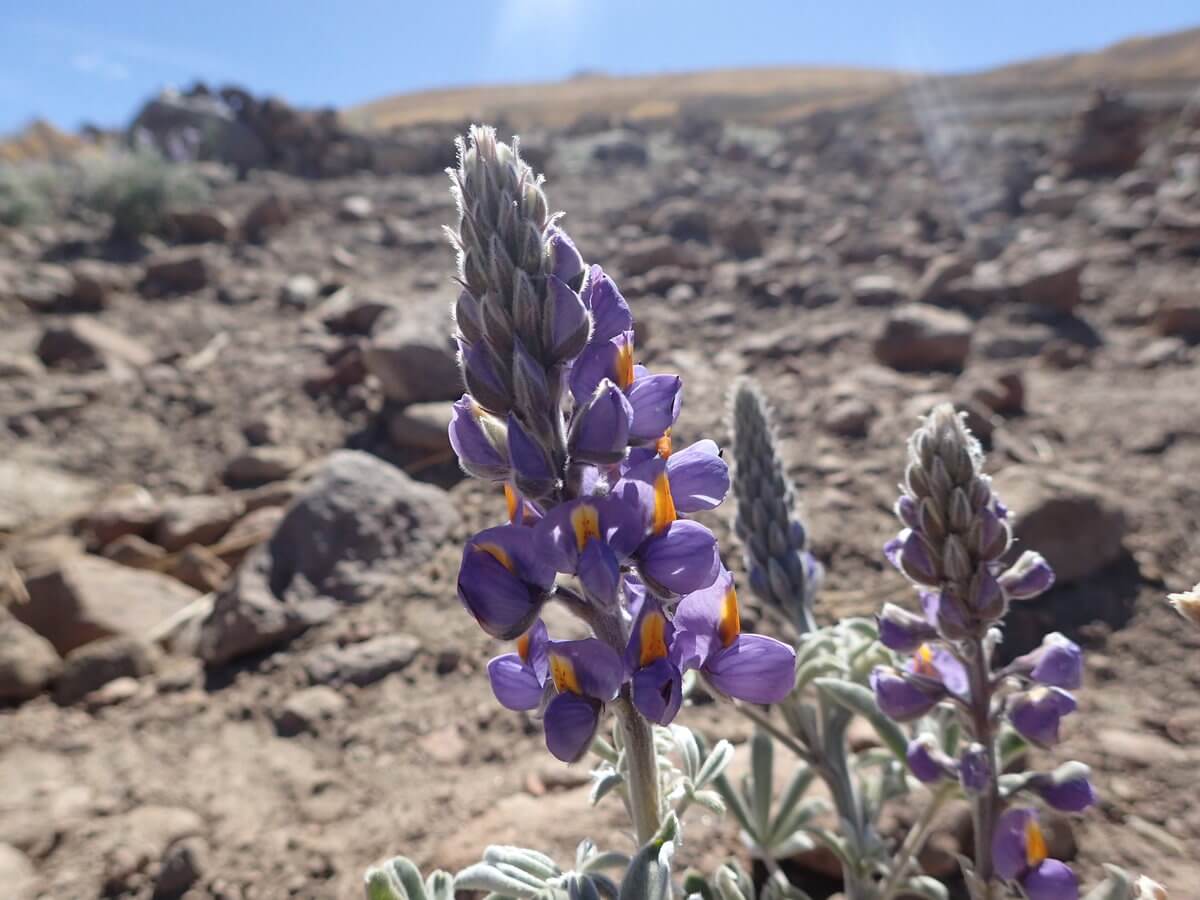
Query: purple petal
[[600, 432], [597, 362], [900, 698], [483, 380], [754, 668], [699, 477], [599, 573], [925, 761], [529, 459], [523, 548], [945, 613], [892, 548], [652, 633], [1058, 662], [1009, 855], [589, 667], [618, 524], [502, 604], [655, 400], [571, 722], [1052, 880], [901, 630], [951, 671], [1028, 577], [697, 623], [565, 261], [514, 683], [657, 691], [1068, 790], [907, 511], [1037, 714], [569, 324], [973, 770], [915, 561], [680, 559], [610, 312], [477, 455]]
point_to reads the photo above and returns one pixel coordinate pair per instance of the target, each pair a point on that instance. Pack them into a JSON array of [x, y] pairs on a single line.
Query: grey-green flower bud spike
[[782, 572]]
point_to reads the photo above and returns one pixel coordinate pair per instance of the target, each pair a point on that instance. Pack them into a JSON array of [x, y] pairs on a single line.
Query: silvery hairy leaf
[[649, 875], [714, 764], [539, 865], [603, 782], [860, 700], [396, 879], [689, 751], [486, 877], [1118, 885], [733, 884], [762, 775], [737, 805], [924, 886]]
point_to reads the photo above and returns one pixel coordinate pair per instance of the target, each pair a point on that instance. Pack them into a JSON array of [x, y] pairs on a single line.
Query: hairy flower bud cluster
[[580, 436], [956, 531], [783, 574]]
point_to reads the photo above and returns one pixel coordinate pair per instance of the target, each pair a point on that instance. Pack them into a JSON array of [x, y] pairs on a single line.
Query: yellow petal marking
[[585, 520], [513, 501], [625, 366], [498, 553], [1035, 844], [654, 638], [663, 445], [924, 661], [562, 671], [729, 623], [523, 643], [664, 504]]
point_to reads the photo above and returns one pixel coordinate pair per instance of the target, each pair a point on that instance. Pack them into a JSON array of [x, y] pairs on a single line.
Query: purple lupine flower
[[586, 674], [903, 631], [600, 428], [698, 476], [678, 556], [655, 398], [930, 676], [909, 553], [531, 464], [656, 684], [1019, 854], [478, 454], [519, 679], [944, 611], [926, 760], [565, 262], [1028, 577], [1058, 662], [482, 373], [1067, 789], [973, 770], [591, 537], [504, 580], [709, 637], [1037, 714], [569, 327]]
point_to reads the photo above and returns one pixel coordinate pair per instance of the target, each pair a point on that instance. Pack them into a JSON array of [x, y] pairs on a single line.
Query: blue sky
[[95, 61]]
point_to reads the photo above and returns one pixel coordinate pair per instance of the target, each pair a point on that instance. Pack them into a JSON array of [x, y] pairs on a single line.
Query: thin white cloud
[[552, 29], [98, 64]]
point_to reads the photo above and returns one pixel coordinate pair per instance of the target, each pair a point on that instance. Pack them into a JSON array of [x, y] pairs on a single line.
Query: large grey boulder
[[358, 527]]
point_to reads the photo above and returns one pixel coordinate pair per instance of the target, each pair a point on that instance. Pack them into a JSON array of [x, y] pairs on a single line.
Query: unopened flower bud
[[1028, 577], [530, 462], [565, 262], [1058, 662], [973, 770], [903, 631], [1037, 714], [1067, 789], [926, 761], [905, 699], [477, 453], [600, 430]]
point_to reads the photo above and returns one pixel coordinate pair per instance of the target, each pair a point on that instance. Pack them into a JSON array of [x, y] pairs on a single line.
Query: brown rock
[[639, 257], [201, 519], [198, 567], [17, 874], [1049, 278], [199, 226], [362, 663], [918, 337], [1139, 749], [309, 709], [1109, 136], [127, 509], [32, 494], [82, 343], [938, 275], [92, 285], [850, 417], [1004, 395], [90, 667], [28, 662], [1178, 318], [257, 465], [349, 312], [89, 598], [422, 426], [268, 214], [877, 290], [1077, 525], [135, 552], [21, 365], [412, 367], [175, 272]]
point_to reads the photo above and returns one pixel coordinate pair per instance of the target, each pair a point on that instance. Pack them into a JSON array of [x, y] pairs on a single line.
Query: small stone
[[447, 661], [877, 290], [1161, 352], [356, 208], [199, 567], [1004, 395], [362, 663], [92, 285], [127, 509], [1178, 318], [175, 272], [21, 365], [309, 710], [350, 312], [445, 746], [89, 598], [199, 226], [96, 664], [32, 494], [201, 519], [938, 275], [17, 874], [1049, 278], [850, 417], [261, 464], [1139, 749], [300, 291], [641, 256], [918, 337], [82, 343], [117, 691], [1077, 525], [183, 864], [135, 552], [28, 662]]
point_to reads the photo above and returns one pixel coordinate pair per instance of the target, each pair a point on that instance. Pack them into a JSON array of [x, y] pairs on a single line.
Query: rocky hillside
[[231, 660]]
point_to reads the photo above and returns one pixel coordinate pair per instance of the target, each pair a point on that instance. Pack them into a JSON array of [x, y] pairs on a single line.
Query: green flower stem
[[642, 762], [914, 843], [985, 807]]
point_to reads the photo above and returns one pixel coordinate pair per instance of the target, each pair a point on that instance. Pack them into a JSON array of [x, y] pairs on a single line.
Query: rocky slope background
[[231, 660]]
